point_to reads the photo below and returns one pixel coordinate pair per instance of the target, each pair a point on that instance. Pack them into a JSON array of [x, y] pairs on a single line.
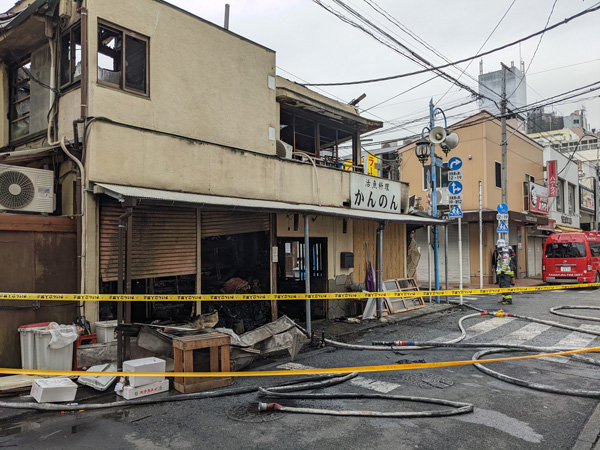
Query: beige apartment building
[[148, 151], [481, 155]]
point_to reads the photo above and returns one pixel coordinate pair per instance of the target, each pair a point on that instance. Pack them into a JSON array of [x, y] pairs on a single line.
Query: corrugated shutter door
[[164, 241], [218, 223], [453, 269]]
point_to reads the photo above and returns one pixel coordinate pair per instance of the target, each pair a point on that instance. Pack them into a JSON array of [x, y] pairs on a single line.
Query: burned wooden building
[[201, 180]]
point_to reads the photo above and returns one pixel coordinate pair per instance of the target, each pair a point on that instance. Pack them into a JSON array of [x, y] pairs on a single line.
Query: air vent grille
[[16, 190]]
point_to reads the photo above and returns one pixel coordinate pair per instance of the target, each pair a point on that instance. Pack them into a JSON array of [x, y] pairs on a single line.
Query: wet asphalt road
[[506, 416]]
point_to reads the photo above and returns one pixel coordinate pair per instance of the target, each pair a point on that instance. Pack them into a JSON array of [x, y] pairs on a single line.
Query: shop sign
[[552, 177], [566, 219], [587, 200], [538, 198], [374, 194]]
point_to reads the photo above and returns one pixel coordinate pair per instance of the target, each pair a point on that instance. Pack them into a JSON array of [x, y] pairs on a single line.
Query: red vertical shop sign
[[552, 177]]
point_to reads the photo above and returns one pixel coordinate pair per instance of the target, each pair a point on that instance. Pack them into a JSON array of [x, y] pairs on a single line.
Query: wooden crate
[[400, 304], [183, 349]]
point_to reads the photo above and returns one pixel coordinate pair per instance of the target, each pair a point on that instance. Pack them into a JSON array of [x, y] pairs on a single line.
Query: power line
[[393, 77], [485, 42], [412, 55]]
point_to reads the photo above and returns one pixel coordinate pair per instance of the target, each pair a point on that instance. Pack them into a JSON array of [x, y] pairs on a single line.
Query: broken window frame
[[318, 146], [17, 101], [72, 56], [120, 58]]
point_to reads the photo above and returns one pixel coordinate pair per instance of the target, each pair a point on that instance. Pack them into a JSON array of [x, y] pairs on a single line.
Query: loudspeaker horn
[[451, 140], [437, 135]]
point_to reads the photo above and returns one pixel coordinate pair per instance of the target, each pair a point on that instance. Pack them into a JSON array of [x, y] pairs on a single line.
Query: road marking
[[487, 325], [382, 387], [523, 334], [575, 340]]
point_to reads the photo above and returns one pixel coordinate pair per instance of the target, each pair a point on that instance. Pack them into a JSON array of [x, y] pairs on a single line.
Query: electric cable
[[393, 77]]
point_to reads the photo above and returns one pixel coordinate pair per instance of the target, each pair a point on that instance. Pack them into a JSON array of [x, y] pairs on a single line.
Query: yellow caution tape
[[278, 297], [273, 373]]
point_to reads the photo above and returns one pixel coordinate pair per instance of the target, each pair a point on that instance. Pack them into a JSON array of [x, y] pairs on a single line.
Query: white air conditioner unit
[[25, 189], [283, 149], [442, 196]]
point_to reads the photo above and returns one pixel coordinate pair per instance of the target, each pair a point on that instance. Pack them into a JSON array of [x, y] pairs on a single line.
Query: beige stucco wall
[[130, 157], [205, 82], [479, 147]]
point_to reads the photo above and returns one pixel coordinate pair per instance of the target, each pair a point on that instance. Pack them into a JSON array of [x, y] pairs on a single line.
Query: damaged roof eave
[[298, 100], [25, 31]]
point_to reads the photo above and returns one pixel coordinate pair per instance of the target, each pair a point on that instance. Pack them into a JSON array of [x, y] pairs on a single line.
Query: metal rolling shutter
[[218, 223], [164, 241], [453, 270]]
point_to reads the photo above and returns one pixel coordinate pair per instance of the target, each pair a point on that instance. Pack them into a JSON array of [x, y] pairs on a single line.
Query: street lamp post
[[424, 150]]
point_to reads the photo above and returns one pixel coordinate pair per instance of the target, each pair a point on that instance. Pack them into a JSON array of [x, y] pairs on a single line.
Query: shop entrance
[[291, 274]]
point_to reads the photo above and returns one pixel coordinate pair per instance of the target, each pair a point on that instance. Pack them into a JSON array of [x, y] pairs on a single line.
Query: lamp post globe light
[[424, 149]]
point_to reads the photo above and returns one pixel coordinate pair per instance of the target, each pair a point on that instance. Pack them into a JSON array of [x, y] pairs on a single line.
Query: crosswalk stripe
[[575, 340], [487, 325], [382, 387], [523, 334]]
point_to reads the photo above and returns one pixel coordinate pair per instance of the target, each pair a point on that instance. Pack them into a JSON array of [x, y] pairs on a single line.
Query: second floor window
[[498, 174], [122, 59], [571, 198], [560, 196], [70, 56], [20, 100]]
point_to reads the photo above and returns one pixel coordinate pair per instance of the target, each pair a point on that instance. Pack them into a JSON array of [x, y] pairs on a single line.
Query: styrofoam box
[[130, 392], [54, 390], [51, 358], [99, 383], [105, 331], [28, 361], [150, 364]]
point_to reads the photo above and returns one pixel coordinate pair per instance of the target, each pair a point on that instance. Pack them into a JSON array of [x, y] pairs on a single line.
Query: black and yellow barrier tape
[[273, 373], [278, 297]]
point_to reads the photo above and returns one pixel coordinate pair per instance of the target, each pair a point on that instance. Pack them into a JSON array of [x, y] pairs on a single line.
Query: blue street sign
[[455, 212], [502, 227], [502, 208], [455, 163], [438, 161], [455, 187]]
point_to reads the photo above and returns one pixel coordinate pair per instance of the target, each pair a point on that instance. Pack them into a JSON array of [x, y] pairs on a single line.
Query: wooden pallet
[[395, 305]]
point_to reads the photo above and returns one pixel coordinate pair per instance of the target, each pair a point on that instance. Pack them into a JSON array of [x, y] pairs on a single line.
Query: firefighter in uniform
[[505, 270]]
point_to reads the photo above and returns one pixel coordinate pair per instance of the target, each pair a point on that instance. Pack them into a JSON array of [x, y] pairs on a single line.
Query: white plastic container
[[150, 364], [50, 358], [28, 360], [99, 383], [105, 331], [130, 392], [54, 390]]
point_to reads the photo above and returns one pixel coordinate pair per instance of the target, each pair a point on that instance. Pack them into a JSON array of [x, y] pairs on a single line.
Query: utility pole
[[504, 172], [436, 261]]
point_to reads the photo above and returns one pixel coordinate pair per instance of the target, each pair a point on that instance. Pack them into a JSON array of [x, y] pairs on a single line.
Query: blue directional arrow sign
[[455, 163], [455, 187], [502, 227], [502, 208], [455, 213]]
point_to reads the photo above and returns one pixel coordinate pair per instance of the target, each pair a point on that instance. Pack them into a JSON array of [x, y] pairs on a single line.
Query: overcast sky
[[314, 46]]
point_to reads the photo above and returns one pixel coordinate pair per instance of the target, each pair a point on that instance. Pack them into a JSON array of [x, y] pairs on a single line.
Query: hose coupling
[[269, 406]]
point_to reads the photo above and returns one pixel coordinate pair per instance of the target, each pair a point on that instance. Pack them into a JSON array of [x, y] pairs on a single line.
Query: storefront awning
[[243, 204], [567, 229]]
